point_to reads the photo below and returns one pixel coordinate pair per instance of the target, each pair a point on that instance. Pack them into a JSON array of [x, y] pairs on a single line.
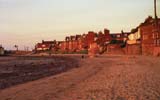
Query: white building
[[133, 37]]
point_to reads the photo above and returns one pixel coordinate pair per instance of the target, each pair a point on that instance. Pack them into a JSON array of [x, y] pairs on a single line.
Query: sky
[[26, 22]]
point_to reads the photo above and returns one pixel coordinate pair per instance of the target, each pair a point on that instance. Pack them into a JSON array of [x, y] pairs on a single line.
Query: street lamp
[[155, 12]]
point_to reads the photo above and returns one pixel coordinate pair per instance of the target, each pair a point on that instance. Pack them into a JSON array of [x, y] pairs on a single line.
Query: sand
[[101, 78]]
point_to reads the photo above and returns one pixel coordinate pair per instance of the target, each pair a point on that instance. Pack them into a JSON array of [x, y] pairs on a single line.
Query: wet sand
[[22, 69]]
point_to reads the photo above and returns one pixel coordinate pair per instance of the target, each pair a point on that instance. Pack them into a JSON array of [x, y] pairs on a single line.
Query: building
[[134, 37], [117, 43], [45, 45], [103, 38], [62, 46], [93, 49], [107, 36], [90, 38], [2, 51], [85, 42], [133, 46], [73, 44], [150, 36], [120, 36]]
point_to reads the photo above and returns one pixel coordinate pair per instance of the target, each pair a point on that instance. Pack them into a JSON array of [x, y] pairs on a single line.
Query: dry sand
[[101, 78]]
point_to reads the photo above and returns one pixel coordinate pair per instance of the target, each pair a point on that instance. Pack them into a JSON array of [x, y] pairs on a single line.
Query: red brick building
[[62, 46], [72, 44], [79, 43], [45, 45], [150, 36], [103, 38], [90, 38]]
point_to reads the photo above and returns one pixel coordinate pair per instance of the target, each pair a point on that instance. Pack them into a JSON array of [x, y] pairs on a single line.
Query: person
[[82, 56]]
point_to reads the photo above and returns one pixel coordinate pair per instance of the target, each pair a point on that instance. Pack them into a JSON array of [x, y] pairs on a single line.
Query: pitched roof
[[48, 42]]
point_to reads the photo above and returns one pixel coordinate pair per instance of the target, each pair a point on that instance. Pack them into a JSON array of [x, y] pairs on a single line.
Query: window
[[43, 45], [157, 35], [158, 42], [145, 37], [153, 35], [154, 42], [118, 36]]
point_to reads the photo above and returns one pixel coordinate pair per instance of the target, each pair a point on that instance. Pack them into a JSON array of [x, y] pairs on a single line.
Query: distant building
[[2, 51], [90, 38], [45, 45], [117, 43], [119, 37], [71, 44], [103, 38], [93, 49], [107, 36]]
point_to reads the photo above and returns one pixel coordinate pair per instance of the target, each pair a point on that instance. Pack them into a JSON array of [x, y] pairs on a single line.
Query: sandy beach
[[100, 78]]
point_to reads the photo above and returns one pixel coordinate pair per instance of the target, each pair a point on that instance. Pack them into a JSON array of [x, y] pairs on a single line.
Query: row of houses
[[79, 43], [144, 39]]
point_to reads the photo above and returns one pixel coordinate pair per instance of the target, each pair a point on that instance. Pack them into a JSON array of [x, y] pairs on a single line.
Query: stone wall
[[115, 49]]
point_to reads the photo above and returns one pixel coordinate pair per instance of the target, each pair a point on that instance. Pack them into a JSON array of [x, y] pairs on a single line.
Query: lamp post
[[155, 12]]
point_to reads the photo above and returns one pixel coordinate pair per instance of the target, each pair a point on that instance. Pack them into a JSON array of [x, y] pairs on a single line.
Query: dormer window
[[95, 39]]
